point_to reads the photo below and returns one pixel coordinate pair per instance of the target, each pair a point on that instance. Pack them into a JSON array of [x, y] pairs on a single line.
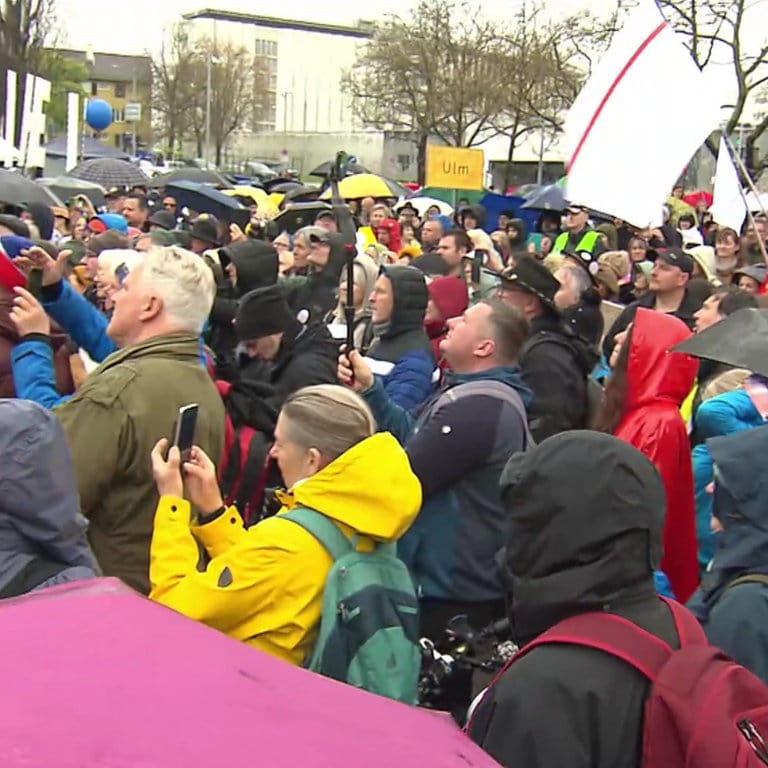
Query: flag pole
[[740, 164]]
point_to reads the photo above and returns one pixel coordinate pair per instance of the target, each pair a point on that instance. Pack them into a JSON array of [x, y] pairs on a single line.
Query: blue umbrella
[[549, 198], [204, 198]]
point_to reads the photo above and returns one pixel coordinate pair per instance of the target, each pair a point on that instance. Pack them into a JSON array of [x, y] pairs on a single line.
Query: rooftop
[[113, 67], [364, 29]]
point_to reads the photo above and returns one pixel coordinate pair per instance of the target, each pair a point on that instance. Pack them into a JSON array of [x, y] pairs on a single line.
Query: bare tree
[[26, 26], [174, 91], [233, 91], [714, 32]]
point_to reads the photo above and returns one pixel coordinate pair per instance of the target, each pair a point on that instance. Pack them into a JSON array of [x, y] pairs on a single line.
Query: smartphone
[[184, 437], [35, 283]]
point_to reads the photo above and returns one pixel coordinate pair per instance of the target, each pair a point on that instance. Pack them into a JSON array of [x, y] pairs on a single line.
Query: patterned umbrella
[[17, 189], [110, 172]]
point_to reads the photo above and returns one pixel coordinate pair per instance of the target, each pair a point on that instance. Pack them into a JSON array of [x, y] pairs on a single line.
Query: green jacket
[[112, 423]]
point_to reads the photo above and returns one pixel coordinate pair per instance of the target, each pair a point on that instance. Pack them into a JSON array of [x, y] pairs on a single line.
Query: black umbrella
[[110, 172], [297, 216], [199, 175], [17, 189], [303, 194], [548, 198], [66, 187], [324, 169], [740, 340], [203, 198], [281, 185]]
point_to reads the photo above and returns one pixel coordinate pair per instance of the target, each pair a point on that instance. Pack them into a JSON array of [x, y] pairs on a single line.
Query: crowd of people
[[515, 416]]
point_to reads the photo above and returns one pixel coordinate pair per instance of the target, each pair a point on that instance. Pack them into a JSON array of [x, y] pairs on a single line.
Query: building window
[[94, 88], [118, 115], [119, 90]]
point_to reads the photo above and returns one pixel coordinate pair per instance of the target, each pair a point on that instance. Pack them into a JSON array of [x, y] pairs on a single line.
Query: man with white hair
[[133, 398]]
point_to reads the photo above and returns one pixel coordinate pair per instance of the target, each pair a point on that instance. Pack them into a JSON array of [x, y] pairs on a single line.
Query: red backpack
[[244, 466], [703, 711]]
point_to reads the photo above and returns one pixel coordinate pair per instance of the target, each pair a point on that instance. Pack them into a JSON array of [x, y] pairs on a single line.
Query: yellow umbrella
[[258, 196], [275, 198], [367, 185]]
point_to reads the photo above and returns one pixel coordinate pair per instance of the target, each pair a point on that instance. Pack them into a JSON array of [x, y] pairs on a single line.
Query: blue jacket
[[411, 380], [722, 415], [39, 504], [736, 618], [32, 357], [458, 447]]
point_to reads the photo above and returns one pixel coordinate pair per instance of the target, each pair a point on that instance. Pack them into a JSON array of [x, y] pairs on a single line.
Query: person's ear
[[485, 348], [314, 460], [151, 307]]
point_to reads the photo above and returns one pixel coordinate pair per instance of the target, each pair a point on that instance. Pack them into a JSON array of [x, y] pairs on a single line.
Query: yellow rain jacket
[[264, 585]]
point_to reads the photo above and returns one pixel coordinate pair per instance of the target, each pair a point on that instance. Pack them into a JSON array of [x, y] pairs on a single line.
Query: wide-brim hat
[[532, 277], [205, 228]]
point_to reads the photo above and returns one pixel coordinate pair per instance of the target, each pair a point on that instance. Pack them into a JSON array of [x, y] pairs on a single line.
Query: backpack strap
[[612, 634], [687, 626], [750, 578], [499, 390], [322, 528]]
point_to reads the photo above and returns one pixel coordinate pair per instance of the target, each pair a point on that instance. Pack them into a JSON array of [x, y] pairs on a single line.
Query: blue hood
[[507, 374], [741, 506]]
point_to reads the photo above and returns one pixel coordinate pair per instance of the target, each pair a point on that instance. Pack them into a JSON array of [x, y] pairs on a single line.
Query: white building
[[306, 61]]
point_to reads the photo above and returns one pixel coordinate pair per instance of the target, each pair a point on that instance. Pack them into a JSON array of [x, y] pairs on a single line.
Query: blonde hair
[[329, 418], [185, 284]]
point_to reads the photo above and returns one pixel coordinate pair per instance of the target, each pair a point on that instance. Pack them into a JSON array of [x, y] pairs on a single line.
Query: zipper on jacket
[[754, 739]]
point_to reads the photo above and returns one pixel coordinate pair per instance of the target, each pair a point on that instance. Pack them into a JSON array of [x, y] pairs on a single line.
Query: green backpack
[[369, 627]]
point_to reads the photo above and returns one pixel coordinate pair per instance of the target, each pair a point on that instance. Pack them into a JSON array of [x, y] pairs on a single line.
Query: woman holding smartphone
[[264, 585]]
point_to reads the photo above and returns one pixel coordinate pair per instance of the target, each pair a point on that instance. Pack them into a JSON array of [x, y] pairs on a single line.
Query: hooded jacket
[[264, 585], [41, 529], [658, 381], [519, 244], [585, 514], [555, 364], [316, 294], [479, 213], [736, 618], [256, 263], [366, 272], [395, 238], [401, 350], [458, 447], [449, 295]]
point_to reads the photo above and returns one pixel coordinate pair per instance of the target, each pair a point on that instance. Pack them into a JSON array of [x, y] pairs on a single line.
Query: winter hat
[[163, 219], [450, 295], [205, 228], [106, 221], [15, 224], [704, 256], [617, 262], [646, 267], [263, 312]]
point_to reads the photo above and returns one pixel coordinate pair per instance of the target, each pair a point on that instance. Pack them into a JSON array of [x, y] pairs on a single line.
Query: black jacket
[[586, 512], [555, 364], [317, 295], [256, 263], [308, 355], [688, 306]]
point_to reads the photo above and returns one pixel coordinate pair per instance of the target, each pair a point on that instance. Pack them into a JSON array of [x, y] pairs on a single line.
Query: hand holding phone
[[184, 434]]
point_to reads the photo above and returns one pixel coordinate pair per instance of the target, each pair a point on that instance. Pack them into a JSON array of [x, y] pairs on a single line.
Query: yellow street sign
[[455, 167]]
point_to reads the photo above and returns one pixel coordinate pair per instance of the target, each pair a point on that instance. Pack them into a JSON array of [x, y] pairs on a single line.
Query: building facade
[[125, 83]]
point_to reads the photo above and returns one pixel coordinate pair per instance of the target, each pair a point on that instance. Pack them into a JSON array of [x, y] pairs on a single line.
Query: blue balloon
[[98, 114]]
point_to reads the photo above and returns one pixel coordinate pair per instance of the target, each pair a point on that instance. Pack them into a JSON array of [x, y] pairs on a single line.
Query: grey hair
[[305, 232], [329, 418], [185, 284]]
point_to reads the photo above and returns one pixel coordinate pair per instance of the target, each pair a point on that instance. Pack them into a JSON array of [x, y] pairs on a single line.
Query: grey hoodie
[[41, 529]]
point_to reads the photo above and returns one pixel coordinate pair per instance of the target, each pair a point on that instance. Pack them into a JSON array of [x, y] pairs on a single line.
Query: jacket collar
[[180, 345]]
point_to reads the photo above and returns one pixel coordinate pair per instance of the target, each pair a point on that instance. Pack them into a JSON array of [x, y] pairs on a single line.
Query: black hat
[[677, 257], [205, 228], [587, 261], [263, 312], [532, 277], [163, 219], [325, 213], [114, 192], [15, 224]]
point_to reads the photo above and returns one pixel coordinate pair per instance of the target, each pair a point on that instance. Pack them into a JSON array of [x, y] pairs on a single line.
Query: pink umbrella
[[95, 675]]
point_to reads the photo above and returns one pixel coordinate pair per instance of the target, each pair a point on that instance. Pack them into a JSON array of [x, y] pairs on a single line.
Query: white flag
[[638, 120], [728, 208]]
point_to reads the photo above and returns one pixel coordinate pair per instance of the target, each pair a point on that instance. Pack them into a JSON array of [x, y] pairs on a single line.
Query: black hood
[[584, 353], [256, 263], [410, 296], [478, 211], [42, 215], [522, 237], [586, 512], [336, 260]]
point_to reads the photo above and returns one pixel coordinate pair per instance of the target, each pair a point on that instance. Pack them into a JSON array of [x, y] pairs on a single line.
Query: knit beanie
[[263, 312]]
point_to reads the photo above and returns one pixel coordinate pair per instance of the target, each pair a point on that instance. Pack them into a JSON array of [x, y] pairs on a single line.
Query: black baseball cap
[[677, 257]]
